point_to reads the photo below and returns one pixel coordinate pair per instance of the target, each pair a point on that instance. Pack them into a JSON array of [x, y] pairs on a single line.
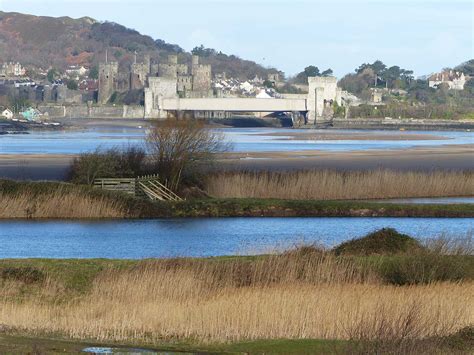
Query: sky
[[421, 35]]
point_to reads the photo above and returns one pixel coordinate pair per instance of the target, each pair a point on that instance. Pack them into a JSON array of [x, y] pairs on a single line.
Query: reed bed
[[59, 203], [307, 294], [336, 185]]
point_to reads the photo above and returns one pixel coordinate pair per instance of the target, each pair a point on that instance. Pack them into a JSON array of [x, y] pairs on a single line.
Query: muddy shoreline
[[398, 124]]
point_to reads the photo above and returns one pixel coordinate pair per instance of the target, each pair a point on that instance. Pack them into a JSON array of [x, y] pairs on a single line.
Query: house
[[7, 113], [454, 79], [31, 114], [89, 85], [12, 69], [376, 96], [75, 71]]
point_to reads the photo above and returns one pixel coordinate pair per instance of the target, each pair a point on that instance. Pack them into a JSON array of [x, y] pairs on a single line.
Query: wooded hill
[[44, 42]]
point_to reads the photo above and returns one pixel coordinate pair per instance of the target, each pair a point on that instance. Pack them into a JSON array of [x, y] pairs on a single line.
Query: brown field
[[305, 295], [335, 185]]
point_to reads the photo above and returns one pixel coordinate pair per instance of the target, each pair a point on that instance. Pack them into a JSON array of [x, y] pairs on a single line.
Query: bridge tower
[[322, 90]]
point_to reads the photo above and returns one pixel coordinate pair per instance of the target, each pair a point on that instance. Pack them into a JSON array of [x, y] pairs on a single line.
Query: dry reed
[[334, 185], [208, 301], [59, 204]]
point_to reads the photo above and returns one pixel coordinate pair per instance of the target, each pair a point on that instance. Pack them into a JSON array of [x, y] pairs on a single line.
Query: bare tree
[[180, 146]]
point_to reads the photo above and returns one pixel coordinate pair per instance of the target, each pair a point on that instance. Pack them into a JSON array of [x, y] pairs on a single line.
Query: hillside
[[41, 42]]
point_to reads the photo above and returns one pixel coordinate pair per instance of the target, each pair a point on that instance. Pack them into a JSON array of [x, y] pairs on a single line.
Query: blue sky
[[421, 35]]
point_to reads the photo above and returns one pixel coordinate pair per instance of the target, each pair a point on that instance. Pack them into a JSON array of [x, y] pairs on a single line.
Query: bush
[[178, 147], [385, 241], [425, 267], [26, 274], [462, 339], [111, 163]]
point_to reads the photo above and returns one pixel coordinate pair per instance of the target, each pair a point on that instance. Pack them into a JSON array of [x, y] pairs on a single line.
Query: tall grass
[[333, 185], [59, 203], [303, 294]]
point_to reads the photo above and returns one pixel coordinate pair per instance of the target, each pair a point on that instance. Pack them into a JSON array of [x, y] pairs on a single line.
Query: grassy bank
[[302, 300], [60, 200], [336, 185]]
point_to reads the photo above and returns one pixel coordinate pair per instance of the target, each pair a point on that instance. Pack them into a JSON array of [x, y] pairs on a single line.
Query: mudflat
[[452, 157], [349, 136]]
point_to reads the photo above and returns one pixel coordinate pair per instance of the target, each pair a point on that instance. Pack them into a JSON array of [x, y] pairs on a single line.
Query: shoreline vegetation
[[337, 185], [299, 194], [382, 293]]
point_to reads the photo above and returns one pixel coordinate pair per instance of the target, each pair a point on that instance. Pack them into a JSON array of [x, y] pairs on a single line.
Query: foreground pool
[[136, 239]]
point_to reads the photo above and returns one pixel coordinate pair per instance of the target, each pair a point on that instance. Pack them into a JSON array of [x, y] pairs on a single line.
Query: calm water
[[243, 139], [136, 239], [431, 200]]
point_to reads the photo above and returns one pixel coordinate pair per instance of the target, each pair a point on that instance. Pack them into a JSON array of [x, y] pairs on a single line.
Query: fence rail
[[123, 185], [148, 186]]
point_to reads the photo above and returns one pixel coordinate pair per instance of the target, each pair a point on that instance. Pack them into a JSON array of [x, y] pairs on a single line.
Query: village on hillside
[[40, 94]]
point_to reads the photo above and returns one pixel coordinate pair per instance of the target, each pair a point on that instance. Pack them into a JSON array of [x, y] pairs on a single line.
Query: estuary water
[[242, 139], [137, 239]]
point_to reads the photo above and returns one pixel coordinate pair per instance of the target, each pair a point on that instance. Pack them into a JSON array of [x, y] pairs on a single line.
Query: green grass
[[18, 344], [302, 208], [289, 346], [459, 343]]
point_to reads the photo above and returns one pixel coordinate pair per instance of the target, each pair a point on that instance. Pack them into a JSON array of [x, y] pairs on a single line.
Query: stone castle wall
[[84, 111]]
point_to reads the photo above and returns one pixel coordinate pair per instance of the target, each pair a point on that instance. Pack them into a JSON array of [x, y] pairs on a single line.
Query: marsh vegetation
[[303, 293], [337, 185]]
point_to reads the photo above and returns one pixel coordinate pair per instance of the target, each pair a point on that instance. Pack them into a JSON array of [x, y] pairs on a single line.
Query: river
[[137, 239], [242, 139]]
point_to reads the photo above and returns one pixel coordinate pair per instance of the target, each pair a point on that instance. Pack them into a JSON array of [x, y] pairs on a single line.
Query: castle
[[185, 81], [186, 90]]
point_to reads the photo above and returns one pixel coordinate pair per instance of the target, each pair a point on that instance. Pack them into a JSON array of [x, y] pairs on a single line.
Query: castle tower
[[139, 73], [202, 77], [108, 73], [147, 63], [321, 89], [173, 59]]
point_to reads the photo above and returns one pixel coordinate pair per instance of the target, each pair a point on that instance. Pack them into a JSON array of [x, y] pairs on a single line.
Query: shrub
[[178, 146], [111, 163], [425, 267], [26, 274], [385, 241], [462, 339]]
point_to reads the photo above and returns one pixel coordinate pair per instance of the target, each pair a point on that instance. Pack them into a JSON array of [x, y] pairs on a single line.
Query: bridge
[[235, 104], [161, 100]]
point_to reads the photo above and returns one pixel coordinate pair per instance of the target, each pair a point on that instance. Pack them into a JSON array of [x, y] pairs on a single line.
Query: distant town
[[110, 91], [85, 68]]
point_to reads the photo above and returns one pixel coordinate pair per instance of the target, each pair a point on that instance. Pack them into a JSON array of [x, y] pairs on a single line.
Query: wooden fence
[[145, 186]]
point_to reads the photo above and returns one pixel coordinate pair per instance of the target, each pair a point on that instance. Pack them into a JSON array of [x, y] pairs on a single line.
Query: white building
[[12, 69], [454, 79], [76, 71], [7, 113]]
